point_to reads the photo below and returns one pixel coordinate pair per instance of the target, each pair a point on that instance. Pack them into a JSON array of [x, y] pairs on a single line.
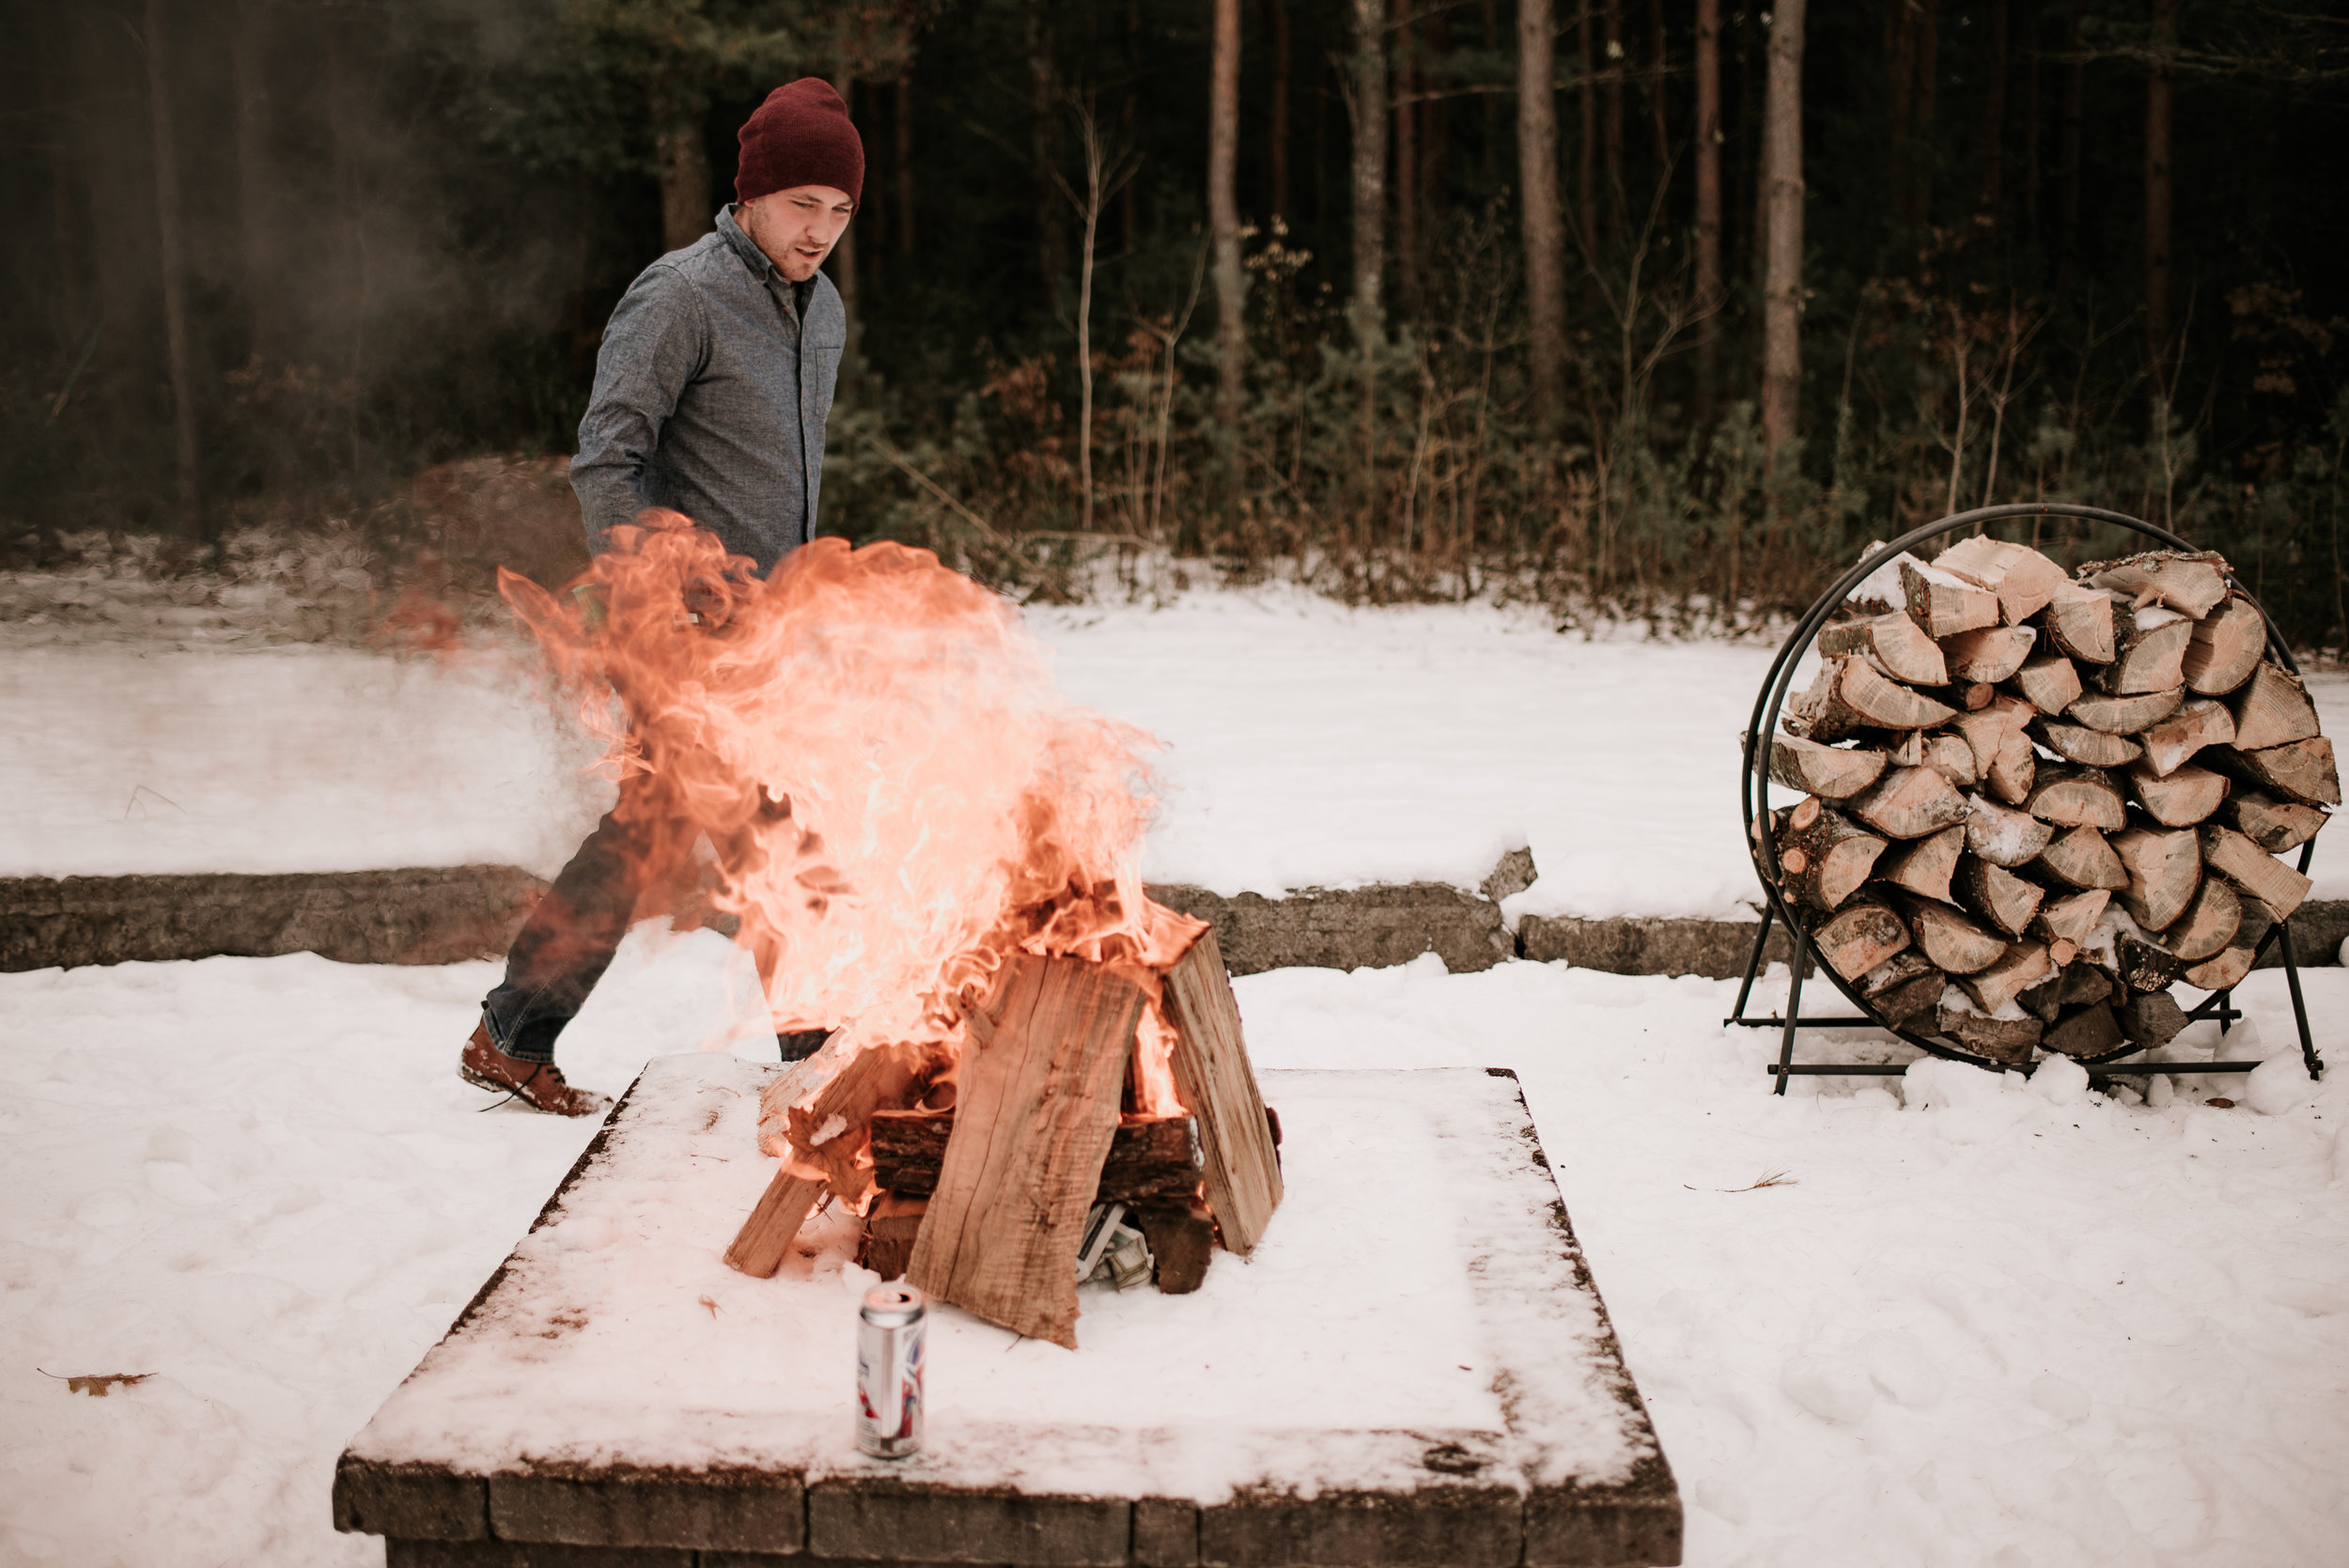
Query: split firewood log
[[2078, 797], [2142, 963], [2090, 747], [2072, 985], [1909, 750], [1859, 937], [2191, 584], [1986, 730], [1944, 603], [2071, 919], [2180, 799], [2226, 647], [2275, 826], [2007, 1039], [1181, 1238], [2002, 836], [2014, 772], [1851, 697], [1910, 802], [2272, 709], [2000, 898], [2149, 652], [1150, 1157], [1830, 771], [2210, 925], [2085, 1032], [1897, 644], [2304, 770], [1904, 989], [2078, 624], [1989, 655], [1926, 866], [2165, 868], [1824, 862], [2279, 888], [1955, 943], [889, 1226], [2199, 722], [2151, 1020], [2223, 972], [2022, 578], [2083, 858], [2050, 682], [2126, 715], [1947, 754]]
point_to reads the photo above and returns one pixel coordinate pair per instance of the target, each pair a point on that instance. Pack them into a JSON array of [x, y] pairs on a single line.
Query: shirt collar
[[744, 246]]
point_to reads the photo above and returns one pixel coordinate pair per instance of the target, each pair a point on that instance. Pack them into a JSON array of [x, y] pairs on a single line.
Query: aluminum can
[[890, 1328]]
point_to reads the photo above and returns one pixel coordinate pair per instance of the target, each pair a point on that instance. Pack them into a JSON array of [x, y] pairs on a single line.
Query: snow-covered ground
[[2000, 1324]]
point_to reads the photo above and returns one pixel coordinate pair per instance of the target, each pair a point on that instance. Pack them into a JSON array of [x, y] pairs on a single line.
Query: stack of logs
[[2037, 800]]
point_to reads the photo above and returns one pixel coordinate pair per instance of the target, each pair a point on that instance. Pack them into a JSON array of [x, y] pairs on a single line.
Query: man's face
[[798, 228]]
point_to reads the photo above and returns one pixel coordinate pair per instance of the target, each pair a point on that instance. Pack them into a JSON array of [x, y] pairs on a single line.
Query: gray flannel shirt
[[711, 390]]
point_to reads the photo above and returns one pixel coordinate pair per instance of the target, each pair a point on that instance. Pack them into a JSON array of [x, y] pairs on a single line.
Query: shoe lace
[[515, 1092]]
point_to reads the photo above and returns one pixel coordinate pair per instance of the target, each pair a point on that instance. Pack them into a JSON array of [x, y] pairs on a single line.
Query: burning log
[[1236, 1137], [1149, 1157]]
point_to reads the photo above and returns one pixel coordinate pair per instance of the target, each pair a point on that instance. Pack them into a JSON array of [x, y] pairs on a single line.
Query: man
[[711, 387]]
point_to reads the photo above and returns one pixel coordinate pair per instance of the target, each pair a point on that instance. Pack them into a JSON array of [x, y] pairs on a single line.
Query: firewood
[[2085, 1032], [1910, 803], [1966, 696], [2082, 857], [2014, 772], [2151, 1020], [1824, 863], [2191, 583], [2080, 744], [2149, 652], [765, 1240], [1997, 894], [1909, 750], [2023, 579], [890, 1228], [1004, 1226], [1827, 770], [1926, 866], [1219, 1087], [2004, 836], [1990, 655], [2303, 771], [1851, 697], [826, 1130], [2078, 797], [1947, 754], [1182, 1242], [2210, 923], [2021, 967], [1898, 646], [2224, 973], [2165, 868], [1986, 731], [2272, 709], [2007, 1040], [2126, 715], [1953, 941], [2200, 722], [2275, 826], [2078, 624], [2279, 888], [1150, 1157], [1862, 936], [2072, 985], [2050, 682], [2181, 799], [1903, 987], [1944, 603], [2143, 964], [2072, 918], [2226, 648]]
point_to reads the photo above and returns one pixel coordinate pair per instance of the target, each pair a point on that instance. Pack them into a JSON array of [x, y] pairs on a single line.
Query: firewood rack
[[1753, 801]]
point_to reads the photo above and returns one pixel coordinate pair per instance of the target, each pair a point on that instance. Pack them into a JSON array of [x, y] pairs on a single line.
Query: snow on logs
[[2035, 800]]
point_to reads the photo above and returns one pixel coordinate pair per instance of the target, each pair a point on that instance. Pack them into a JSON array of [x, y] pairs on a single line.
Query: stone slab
[[614, 1389]]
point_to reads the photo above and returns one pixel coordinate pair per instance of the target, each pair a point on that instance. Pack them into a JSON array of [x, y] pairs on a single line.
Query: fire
[[897, 794]]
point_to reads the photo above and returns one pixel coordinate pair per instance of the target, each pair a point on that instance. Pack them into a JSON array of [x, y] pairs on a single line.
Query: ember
[[936, 857]]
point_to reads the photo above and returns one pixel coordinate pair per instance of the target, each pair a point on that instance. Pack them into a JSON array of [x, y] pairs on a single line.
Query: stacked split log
[[2035, 801]]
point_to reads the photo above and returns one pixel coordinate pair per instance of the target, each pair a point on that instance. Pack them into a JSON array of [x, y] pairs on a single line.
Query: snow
[[1415, 1242], [2001, 1318]]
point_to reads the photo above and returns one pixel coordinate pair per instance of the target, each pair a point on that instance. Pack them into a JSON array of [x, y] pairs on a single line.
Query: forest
[[1661, 308]]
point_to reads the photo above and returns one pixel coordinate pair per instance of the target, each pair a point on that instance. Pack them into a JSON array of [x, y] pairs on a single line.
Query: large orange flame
[[897, 794]]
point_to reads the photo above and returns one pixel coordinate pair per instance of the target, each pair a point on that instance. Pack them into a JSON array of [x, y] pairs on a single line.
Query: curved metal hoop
[[1761, 735]]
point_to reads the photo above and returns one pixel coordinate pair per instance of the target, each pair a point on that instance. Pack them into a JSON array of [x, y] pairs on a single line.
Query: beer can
[[890, 1328]]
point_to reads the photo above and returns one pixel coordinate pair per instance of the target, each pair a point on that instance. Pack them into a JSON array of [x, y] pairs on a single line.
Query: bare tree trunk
[[1096, 175], [1994, 112], [50, 76], [1900, 74], [1545, 240], [1782, 343], [1610, 206], [2068, 149], [1044, 111], [2158, 190], [2032, 111], [1586, 154], [1370, 167], [1406, 160], [1928, 82], [1280, 133], [1708, 214], [255, 209], [685, 210], [1231, 320], [1658, 116], [171, 254], [904, 162], [844, 254]]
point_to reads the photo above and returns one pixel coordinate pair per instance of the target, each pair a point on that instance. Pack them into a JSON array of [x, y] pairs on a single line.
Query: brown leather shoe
[[538, 1085]]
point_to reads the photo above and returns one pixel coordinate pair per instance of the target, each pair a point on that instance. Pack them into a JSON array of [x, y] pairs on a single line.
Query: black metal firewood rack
[[1753, 801]]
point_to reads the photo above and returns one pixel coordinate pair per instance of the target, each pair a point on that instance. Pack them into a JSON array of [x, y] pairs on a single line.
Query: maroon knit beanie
[[800, 136]]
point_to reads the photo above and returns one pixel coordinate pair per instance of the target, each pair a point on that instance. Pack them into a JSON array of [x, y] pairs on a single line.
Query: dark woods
[[1651, 306]]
